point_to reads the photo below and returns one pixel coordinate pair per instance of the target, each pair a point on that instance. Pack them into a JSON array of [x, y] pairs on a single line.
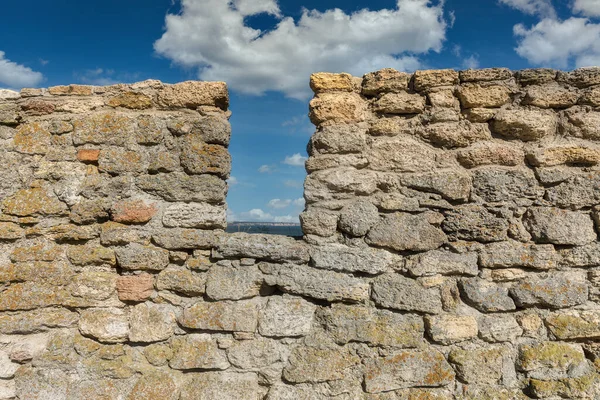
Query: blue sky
[[266, 50]]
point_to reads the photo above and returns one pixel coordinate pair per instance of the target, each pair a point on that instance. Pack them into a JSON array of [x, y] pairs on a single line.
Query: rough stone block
[[455, 134], [488, 153], [315, 221], [312, 364], [486, 296], [400, 293], [442, 262], [222, 386], [240, 316], [449, 329], [384, 81], [338, 257], [131, 100], [485, 75], [118, 161], [337, 108], [195, 215], [233, 283], [575, 325], [198, 157], [550, 360], [478, 366], [133, 211], [424, 80], [536, 76], [565, 154], [108, 325], [103, 128], [192, 94], [286, 316], [263, 247], [558, 290], [499, 328], [476, 96], [339, 139], [327, 82], [494, 185], [562, 227], [138, 257], [474, 222], [197, 351], [401, 231], [150, 322], [135, 287], [550, 96], [178, 186], [400, 103], [525, 125], [581, 78], [182, 281]]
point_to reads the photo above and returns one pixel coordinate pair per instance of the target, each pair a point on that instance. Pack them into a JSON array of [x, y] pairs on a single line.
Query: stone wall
[[450, 248]]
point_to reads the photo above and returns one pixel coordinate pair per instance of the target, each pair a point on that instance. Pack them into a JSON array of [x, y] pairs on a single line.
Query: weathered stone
[[178, 239], [263, 247], [197, 351], [357, 218], [32, 138], [456, 134], [163, 161], [486, 296], [574, 325], [327, 82], [449, 329], [91, 255], [11, 231], [451, 184], [254, 354], [88, 211], [401, 231], [494, 184], [192, 94], [400, 293], [233, 283], [138, 257], [576, 191], [548, 360], [60, 127], [118, 161], [337, 108], [198, 157], [338, 257], [591, 97], [376, 327], [41, 384], [442, 262], [474, 222], [315, 283], [182, 281], [400, 103], [525, 125], [583, 387], [158, 354], [318, 222], [423, 80], [240, 316], [474, 96], [478, 366], [339, 139], [150, 322], [195, 215], [131, 100], [400, 154], [383, 81], [582, 123], [487, 153], [485, 75], [286, 316], [564, 154], [581, 78], [554, 291], [536, 76], [115, 234], [71, 90], [339, 183], [103, 128], [9, 114], [443, 98], [423, 368], [133, 211], [499, 328], [34, 201], [581, 256], [93, 285], [135, 287], [515, 254], [37, 321], [553, 225], [313, 364], [550, 96], [154, 386], [177, 186], [108, 325], [222, 386]]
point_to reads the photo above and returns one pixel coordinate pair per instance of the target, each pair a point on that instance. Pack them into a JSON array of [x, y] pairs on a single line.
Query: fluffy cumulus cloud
[[258, 215], [214, 36], [279, 203], [17, 76], [563, 43], [296, 160]]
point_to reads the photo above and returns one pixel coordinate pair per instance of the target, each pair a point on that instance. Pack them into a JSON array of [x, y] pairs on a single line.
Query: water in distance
[[269, 228]]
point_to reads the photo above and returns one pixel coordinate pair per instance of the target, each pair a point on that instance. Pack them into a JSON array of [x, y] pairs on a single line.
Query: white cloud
[[266, 169], [560, 42], [590, 8], [542, 8], [287, 218], [471, 62], [213, 36], [299, 202], [233, 180], [256, 214], [297, 160], [279, 204], [292, 183], [17, 76]]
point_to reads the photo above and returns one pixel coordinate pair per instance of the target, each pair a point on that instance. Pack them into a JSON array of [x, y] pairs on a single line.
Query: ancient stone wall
[[450, 248]]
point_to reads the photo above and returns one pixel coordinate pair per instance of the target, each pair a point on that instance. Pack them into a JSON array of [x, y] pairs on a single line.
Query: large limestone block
[[405, 369], [512, 254], [222, 386], [320, 222], [449, 329], [485, 75], [567, 153], [581, 256], [400, 103], [32, 138], [486, 296], [536, 76], [550, 96], [286, 316], [239, 316], [135, 287], [34, 201], [525, 125], [339, 183], [322, 82], [138, 257], [401, 231], [400, 293], [456, 134], [384, 81], [255, 354], [182, 281], [442, 262], [316, 283], [180, 239], [347, 324], [358, 217], [195, 215], [108, 325], [488, 153], [499, 328], [233, 283], [339, 257], [117, 161], [313, 364], [212, 129], [339, 139], [550, 360], [581, 78], [493, 184], [37, 321], [575, 325], [178, 186], [475, 96], [198, 157], [197, 351], [559, 290], [583, 123], [103, 128], [192, 94], [154, 386], [327, 108], [151, 322], [562, 227], [264, 247], [423, 80], [452, 184], [577, 191], [474, 222], [483, 366], [401, 154]]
